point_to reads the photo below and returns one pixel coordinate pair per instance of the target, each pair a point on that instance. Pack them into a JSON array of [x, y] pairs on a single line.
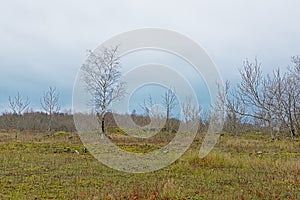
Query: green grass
[[244, 167]]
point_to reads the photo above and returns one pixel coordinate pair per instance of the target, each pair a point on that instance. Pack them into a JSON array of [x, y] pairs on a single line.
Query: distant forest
[[39, 122]]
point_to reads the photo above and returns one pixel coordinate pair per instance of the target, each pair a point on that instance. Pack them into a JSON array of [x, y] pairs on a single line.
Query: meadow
[[249, 166]]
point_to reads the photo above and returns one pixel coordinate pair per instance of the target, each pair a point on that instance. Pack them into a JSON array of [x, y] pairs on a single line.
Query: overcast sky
[[43, 43]]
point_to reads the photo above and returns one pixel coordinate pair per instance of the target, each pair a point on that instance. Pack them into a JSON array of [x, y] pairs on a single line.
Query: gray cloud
[[43, 43]]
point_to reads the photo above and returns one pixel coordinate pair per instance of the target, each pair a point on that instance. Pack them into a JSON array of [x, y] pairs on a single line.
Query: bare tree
[[291, 103], [50, 104], [18, 104], [282, 94], [101, 73], [252, 94], [276, 94], [218, 108], [234, 120], [191, 113], [273, 100], [153, 112], [147, 105], [295, 76], [170, 103]]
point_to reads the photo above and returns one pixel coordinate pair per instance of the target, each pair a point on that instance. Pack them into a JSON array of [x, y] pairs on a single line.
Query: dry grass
[[247, 167]]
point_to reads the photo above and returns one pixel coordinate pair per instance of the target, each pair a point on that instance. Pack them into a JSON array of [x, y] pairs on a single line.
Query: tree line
[[268, 103], [20, 117]]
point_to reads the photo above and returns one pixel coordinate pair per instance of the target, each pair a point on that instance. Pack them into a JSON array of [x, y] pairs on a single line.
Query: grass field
[[252, 166]]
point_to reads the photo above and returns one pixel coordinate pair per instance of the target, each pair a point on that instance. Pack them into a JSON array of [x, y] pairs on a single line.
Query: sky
[[43, 43]]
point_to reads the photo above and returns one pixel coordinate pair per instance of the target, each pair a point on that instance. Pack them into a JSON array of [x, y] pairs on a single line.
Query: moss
[[61, 134]]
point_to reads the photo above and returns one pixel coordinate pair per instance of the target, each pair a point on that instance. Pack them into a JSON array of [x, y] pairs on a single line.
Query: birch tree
[[102, 76]]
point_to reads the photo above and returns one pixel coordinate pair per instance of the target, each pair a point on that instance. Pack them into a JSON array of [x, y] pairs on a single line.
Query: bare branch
[[18, 104], [50, 101]]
